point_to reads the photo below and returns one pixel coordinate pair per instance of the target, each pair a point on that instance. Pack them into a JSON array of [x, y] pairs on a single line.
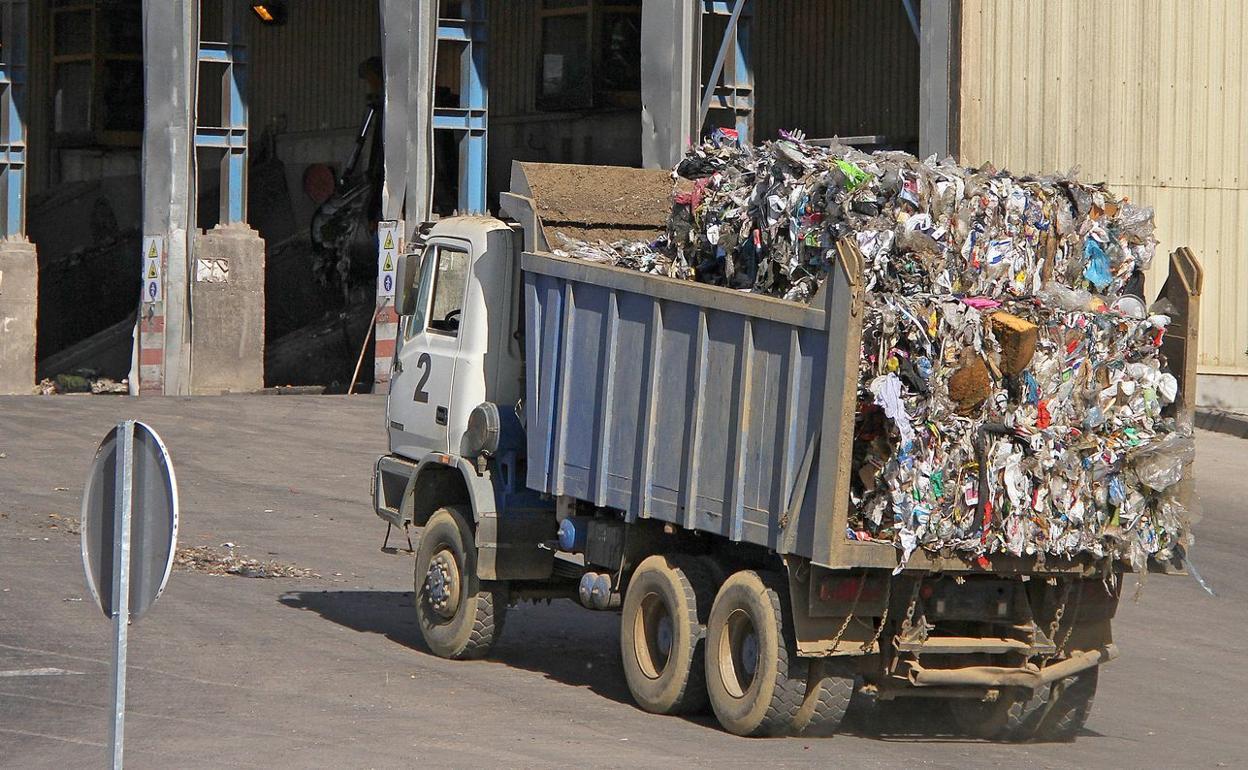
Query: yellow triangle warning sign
[[389, 265], [151, 270], [389, 242], [151, 253]]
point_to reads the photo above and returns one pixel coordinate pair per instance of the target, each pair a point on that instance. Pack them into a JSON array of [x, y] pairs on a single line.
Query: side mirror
[[407, 277]]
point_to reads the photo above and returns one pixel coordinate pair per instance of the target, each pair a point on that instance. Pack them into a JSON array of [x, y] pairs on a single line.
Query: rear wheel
[[459, 617], [662, 625], [755, 682], [828, 694], [1014, 716], [1072, 705]]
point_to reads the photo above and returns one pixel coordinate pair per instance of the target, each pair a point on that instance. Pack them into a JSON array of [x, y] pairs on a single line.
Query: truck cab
[[457, 344]]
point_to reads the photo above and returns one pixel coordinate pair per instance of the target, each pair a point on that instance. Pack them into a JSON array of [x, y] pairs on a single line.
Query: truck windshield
[[416, 321]]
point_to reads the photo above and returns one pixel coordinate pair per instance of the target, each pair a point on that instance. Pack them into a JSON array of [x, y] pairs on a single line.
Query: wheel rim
[[442, 583], [739, 652], [653, 635]]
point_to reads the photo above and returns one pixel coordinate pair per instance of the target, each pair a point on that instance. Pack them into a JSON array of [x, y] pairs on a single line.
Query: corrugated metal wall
[[513, 55], [38, 113], [1148, 95], [308, 69], [842, 67]]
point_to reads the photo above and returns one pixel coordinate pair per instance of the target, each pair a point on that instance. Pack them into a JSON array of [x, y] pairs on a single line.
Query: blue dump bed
[[693, 404]]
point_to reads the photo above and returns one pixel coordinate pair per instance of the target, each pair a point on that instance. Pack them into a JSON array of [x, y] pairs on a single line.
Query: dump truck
[[680, 454]]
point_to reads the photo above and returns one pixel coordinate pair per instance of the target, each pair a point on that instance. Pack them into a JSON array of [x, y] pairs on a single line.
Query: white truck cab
[[457, 345]]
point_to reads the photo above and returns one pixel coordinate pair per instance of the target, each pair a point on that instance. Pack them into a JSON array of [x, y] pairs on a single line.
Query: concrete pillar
[[170, 66], [19, 306], [671, 56], [227, 293]]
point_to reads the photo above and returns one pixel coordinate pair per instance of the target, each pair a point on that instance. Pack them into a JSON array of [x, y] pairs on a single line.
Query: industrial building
[[210, 143]]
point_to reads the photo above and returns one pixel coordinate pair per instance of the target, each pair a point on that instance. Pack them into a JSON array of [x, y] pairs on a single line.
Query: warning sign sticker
[[388, 243], [153, 258]]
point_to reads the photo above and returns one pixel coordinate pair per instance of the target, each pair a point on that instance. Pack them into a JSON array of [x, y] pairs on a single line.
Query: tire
[[1072, 705], [1014, 716], [754, 679], [458, 616], [828, 695], [662, 625]]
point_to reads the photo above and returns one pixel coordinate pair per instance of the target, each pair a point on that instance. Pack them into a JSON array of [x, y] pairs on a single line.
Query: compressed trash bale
[[1017, 338], [971, 384]]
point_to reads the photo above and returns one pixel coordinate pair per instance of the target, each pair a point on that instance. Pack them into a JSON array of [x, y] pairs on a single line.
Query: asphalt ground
[[330, 671]]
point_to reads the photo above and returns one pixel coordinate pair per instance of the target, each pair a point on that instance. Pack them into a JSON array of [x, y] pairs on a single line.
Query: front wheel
[[458, 617]]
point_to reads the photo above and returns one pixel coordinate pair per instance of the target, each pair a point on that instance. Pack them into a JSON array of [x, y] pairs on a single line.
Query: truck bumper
[[1029, 676]]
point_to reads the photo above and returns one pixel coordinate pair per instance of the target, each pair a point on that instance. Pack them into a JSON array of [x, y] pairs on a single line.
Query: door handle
[[439, 415]]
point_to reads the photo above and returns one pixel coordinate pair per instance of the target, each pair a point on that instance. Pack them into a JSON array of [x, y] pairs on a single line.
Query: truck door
[[421, 385]]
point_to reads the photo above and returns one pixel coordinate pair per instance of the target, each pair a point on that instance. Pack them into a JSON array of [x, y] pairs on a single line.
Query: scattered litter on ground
[[1013, 398], [83, 381], [68, 524], [212, 561]]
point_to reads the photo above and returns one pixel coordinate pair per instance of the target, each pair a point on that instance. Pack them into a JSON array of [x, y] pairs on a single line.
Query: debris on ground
[[83, 381], [1013, 397], [67, 524], [213, 561]]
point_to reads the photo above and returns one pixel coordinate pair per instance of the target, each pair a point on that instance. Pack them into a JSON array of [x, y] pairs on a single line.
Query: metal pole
[[121, 583]]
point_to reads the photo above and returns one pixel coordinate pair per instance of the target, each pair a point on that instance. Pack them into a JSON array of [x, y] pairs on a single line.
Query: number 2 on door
[[424, 364]]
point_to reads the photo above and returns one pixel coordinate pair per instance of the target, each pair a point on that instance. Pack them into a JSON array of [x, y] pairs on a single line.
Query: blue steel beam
[[231, 135], [736, 91], [913, 16], [473, 99], [14, 22], [451, 119], [213, 137], [454, 30], [742, 85]]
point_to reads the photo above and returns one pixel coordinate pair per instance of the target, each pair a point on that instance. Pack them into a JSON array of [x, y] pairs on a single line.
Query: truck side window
[[450, 277]]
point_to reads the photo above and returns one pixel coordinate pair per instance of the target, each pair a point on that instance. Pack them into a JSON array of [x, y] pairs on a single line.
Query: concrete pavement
[[229, 671]]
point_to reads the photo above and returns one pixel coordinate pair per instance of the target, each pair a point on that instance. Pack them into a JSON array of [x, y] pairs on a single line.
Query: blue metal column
[[735, 90], [13, 67], [741, 84], [231, 134], [470, 117]]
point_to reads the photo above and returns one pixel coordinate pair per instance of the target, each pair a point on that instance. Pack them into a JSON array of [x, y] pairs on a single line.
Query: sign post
[[124, 475], [129, 534], [389, 246]]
